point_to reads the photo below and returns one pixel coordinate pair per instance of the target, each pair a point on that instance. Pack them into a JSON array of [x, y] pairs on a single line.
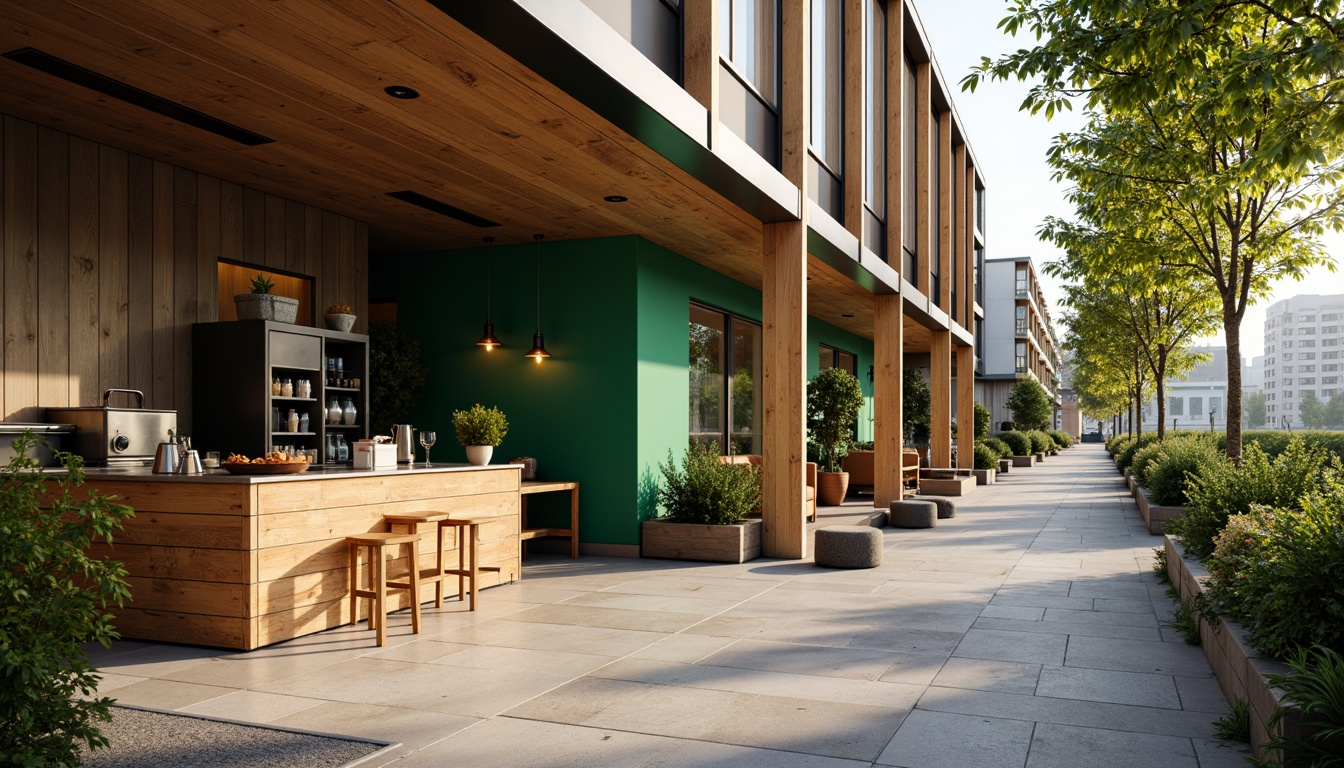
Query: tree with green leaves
[[1334, 411], [833, 402], [1312, 411], [1255, 410], [1030, 405], [916, 405], [1215, 123]]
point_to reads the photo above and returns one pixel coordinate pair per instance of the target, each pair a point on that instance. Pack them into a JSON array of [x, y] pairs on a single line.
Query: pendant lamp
[[538, 351], [488, 340]]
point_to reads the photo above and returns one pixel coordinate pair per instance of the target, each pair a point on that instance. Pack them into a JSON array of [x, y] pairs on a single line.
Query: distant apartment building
[[1018, 337], [1199, 399], [1304, 336]]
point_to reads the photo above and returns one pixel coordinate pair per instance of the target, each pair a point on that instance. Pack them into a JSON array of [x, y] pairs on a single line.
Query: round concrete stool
[[946, 507], [913, 513], [849, 546]]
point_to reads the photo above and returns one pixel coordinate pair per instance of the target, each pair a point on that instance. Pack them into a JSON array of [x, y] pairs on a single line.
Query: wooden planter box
[[1005, 465], [735, 543], [1024, 461], [1155, 516], [984, 476], [1241, 670], [1040, 457], [952, 486]]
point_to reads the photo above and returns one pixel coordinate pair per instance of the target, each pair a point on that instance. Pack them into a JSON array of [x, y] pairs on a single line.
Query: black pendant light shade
[[488, 340], [538, 351]]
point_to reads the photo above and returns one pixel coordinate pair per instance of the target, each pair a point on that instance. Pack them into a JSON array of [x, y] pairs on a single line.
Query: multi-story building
[[733, 194], [1304, 338], [1017, 337], [1197, 400]]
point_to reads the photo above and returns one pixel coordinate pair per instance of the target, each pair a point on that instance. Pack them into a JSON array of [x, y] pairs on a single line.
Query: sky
[[1010, 147]]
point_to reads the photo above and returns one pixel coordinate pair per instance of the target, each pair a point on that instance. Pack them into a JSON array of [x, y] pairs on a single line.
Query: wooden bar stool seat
[[468, 563], [409, 522], [377, 545]]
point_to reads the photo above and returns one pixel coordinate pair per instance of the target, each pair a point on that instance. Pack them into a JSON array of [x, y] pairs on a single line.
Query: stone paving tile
[[1215, 753], [942, 740], [1106, 685], [1043, 709], [1137, 656], [985, 675], [1016, 612], [1083, 628], [251, 706], [998, 645], [1062, 746]]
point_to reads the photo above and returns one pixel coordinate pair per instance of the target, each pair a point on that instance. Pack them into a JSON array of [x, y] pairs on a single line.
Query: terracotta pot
[[831, 488]]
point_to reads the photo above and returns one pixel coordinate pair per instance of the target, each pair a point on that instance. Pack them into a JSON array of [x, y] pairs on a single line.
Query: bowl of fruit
[[340, 317]]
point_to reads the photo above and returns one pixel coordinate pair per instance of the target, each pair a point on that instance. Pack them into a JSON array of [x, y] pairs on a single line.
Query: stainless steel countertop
[[320, 472]]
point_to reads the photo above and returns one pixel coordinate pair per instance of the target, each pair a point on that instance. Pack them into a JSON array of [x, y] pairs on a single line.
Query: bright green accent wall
[[614, 398]]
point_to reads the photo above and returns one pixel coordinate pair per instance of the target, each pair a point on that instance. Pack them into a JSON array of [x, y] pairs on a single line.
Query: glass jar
[[304, 422], [275, 387], [293, 421], [342, 449], [333, 411], [349, 413], [287, 388]]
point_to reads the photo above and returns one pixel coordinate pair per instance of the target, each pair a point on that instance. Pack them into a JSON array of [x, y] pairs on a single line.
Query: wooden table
[[548, 486]]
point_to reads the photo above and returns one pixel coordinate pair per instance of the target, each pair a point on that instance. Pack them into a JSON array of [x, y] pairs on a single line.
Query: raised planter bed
[[945, 482], [1024, 461], [1155, 516], [736, 543], [1241, 670], [1005, 465], [1040, 457], [984, 476]]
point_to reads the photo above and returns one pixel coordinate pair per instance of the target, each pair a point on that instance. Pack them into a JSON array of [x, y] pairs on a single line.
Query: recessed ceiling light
[[401, 92], [616, 198], [846, 315]]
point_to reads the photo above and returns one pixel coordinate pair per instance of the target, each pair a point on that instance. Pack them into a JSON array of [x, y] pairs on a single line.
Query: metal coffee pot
[[404, 434], [166, 458]]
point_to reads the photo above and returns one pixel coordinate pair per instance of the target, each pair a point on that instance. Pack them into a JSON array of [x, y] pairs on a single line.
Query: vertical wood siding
[[109, 257]]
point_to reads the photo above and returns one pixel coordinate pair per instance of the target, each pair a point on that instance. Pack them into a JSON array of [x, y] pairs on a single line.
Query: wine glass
[[427, 440]]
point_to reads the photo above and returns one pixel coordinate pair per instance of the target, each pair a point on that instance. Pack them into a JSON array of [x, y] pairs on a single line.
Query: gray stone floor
[[1027, 631]]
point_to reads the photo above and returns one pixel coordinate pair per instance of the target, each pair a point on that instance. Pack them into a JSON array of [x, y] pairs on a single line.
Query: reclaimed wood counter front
[[246, 561]]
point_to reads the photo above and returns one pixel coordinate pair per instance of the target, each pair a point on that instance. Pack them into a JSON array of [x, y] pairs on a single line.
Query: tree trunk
[[1161, 389], [1232, 332]]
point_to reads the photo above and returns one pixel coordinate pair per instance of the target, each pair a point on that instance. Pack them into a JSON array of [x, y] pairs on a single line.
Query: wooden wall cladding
[[109, 257]]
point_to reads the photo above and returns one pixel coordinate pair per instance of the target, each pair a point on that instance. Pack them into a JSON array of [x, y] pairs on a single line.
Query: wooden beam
[[896, 118], [940, 394], [944, 204], [969, 227], [855, 131], [924, 176], [959, 239], [888, 350], [966, 407], [784, 311], [700, 61]]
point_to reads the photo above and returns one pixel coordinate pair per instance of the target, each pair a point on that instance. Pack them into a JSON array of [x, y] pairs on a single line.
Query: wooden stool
[[409, 522], [377, 544], [468, 564]]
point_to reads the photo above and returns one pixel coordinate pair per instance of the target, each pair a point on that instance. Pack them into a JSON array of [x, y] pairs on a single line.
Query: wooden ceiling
[[487, 135]]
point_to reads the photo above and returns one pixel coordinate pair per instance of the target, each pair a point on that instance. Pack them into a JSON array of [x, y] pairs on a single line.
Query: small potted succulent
[[261, 304], [340, 317], [479, 430]]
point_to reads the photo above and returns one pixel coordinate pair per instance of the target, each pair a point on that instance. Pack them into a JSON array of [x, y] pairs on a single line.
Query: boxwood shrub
[[1178, 462], [998, 446], [986, 457], [1143, 457], [1060, 437], [1040, 442], [1017, 442], [1126, 454]]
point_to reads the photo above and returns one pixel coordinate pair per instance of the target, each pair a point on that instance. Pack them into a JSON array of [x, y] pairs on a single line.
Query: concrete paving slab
[[999, 645], [942, 740], [1138, 656], [985, 675], [1062, 746], [1106, 685]]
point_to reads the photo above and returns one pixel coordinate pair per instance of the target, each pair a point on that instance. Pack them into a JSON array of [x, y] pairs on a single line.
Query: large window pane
[[935, 257], [910, 172], [749, 40], [875, 108], [707, 369], [746, 388], [826, 88]]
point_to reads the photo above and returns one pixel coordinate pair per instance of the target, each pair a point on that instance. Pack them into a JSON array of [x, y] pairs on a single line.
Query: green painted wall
[[614, 399]]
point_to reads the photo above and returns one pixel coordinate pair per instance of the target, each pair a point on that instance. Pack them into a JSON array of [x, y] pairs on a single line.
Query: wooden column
[[966, 407], [959, 210], [968, 228], [924, 138], [700, 59], [888, 350], [855, 131], [944, 204], [784, 310], [940, 395]]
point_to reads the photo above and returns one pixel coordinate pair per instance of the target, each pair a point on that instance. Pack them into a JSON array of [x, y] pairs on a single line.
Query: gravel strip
[[142, 739]]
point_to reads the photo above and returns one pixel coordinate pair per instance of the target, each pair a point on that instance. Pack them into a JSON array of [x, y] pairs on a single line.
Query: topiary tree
[[915, 404], [54, 597], [833, 402], [1018, 442], [1030, 405], [981, 421]]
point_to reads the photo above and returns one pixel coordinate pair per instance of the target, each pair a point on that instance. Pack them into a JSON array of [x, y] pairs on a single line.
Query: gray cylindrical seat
[[947, 508], [913, 513], [849, 546]]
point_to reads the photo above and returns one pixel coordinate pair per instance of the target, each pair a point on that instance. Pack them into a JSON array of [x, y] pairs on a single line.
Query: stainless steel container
[[55, 437], [107, 436], [405, 438]]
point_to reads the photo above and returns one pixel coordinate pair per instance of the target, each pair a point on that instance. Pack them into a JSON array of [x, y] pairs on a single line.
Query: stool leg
[[461, 563], [415, 587], [354, 582], [438, 568], [380, 588], [475, 584]]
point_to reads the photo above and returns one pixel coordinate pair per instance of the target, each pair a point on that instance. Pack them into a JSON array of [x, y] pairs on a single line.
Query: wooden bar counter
[[246, 561]]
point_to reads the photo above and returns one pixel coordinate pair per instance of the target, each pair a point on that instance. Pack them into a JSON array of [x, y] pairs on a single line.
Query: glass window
[[1176, 406], [875, 108], [1196, 406], [749, 39], [1021, 320], [936, 256], [653, 27], [825, 39], [725, 357], [830, 357], [910, 173], [1020, 286], [1021, 365]]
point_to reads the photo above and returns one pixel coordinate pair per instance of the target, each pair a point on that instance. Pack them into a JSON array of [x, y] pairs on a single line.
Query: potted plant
[[705, 502], [261, 304], [479, 430], [833, 402], [340, 317]]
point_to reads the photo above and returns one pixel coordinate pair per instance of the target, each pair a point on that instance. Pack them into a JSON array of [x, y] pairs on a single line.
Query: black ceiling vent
[[78, 75], [440, 207]]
